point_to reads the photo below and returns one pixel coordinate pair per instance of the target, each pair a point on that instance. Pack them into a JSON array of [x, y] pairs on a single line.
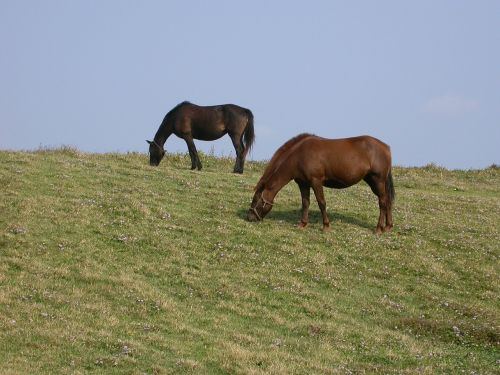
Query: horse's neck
[[164, 131], [275, 184]]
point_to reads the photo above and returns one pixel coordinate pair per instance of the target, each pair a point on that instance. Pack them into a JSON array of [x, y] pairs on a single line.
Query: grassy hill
[[108, 265]]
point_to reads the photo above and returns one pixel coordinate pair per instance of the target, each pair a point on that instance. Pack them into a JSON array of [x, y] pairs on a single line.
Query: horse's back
[[378, 152], [364, 145], [236, 117], [343, 147], [345, 160], [235, 109], [374, 152], [212, 113], [200, 122], [209, 123]]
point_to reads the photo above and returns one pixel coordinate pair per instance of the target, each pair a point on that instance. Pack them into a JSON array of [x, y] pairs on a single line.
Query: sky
[[422, 76]]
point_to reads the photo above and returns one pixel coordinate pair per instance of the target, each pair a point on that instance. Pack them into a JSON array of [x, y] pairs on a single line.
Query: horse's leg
[[388, 217], [388, 213], [378, 187], [320, 197], [382, 205], [238, 147], [193, 153], [305, 192]]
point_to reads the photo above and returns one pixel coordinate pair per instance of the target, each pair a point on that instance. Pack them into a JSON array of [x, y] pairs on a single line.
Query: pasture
[[111, 266]]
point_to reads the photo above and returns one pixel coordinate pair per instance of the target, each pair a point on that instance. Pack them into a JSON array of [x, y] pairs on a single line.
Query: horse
[[314, 162], [189, 121]]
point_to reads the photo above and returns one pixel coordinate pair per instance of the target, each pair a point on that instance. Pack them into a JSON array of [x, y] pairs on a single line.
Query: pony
[[314, 162], [189, 121]]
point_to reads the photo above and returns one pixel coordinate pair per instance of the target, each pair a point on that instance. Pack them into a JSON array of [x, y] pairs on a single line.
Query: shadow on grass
[[293, 217]]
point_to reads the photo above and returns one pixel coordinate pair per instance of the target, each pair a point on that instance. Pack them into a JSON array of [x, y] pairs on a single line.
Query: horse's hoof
[[378, 231], [301, 225], [326, 228]]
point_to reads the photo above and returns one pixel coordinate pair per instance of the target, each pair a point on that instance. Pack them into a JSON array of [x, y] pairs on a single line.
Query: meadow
[[111, 266]]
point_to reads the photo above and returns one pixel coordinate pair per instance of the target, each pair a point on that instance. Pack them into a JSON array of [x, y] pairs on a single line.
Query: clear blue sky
[[423, 76]]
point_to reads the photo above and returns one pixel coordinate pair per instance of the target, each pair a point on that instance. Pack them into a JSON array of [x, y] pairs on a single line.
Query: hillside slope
[[108, 265]]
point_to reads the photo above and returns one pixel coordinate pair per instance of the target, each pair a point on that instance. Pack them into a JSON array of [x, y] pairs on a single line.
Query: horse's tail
[[389, 187], [249, 133]]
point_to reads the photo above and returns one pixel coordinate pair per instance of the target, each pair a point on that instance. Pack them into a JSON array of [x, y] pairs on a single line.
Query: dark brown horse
[[314, 162], [189, 121]]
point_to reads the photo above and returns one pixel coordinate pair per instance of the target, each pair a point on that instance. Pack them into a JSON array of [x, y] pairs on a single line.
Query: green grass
[[108, 265]]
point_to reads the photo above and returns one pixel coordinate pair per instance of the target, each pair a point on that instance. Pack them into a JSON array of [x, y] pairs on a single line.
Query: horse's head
[[259, 208], [156, 153]]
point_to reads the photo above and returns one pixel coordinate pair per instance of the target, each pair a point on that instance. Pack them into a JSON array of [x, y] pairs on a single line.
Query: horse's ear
[[149, 141]]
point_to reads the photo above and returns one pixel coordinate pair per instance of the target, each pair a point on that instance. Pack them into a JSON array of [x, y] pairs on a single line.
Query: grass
[[108, 265]]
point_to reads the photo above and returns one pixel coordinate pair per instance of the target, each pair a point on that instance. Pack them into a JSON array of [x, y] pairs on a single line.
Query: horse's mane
[[279, 156], [172, 112], [170, 115], [178, 106]]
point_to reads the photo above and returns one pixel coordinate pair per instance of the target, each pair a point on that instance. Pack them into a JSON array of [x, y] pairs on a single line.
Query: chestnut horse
[[314, 162], [189, 121]]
